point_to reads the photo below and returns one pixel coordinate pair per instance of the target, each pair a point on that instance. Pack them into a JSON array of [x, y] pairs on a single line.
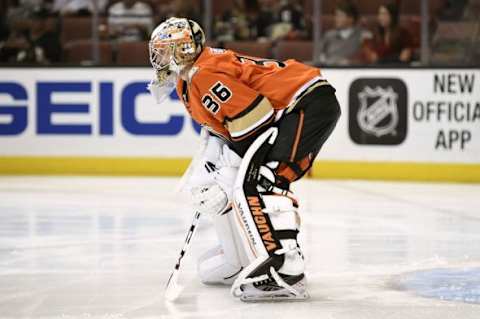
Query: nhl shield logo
[[378, 111]]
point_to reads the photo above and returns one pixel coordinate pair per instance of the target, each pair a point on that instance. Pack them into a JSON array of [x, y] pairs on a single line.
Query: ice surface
[[459, 284], [75, 247]]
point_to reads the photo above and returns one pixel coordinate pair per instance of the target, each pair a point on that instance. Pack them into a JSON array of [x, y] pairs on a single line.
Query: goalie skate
[[290, 288]]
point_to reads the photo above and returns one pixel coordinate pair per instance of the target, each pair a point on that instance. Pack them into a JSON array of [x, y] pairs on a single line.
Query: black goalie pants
[[302, 133]]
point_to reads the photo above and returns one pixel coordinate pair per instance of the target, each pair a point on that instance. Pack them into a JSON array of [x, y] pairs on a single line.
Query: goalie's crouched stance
[[256, 216], [268, 120]]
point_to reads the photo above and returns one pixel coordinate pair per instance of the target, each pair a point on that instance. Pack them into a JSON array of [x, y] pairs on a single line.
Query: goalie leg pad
[[223, 263], [286, 222], [269, 226], [253, 224], [280, 275], [215, 269]]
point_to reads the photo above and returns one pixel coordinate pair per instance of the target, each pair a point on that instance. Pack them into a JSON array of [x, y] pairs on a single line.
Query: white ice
[[76, 247]]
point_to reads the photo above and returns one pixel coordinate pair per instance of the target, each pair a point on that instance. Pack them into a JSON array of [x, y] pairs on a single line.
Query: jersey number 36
[[220, 93]]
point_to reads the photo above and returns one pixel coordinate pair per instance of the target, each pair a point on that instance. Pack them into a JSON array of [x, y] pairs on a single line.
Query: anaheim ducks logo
[[378, 111]]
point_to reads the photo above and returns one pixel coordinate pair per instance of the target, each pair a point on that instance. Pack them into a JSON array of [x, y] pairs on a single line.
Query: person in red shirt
[[240, 100], [391, 42]]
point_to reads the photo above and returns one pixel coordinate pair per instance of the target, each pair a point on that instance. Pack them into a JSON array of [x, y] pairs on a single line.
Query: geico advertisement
[[425, 115], [89, 112]]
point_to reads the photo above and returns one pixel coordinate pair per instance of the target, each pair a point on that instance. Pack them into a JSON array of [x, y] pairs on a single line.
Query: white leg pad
[[214, 269], [229, 238], [221, 264], [284, 216]]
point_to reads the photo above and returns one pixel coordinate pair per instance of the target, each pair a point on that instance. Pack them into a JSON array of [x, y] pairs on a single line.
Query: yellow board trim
[[399, 171], [134, 166]]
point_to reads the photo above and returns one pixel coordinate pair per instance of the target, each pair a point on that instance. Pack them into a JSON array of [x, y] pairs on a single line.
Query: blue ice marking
[[453, 284]]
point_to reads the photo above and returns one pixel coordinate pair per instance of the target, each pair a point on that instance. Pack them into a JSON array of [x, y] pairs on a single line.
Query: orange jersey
[[234, 95]]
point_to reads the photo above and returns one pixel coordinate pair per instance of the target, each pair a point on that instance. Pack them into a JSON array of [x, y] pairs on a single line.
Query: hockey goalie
[[264, 121]]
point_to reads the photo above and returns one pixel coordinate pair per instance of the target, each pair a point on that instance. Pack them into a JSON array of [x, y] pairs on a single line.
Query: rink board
[[405, 171], [402, 124]]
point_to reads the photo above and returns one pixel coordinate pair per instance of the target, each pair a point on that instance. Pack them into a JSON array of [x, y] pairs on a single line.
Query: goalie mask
[[175, 44]]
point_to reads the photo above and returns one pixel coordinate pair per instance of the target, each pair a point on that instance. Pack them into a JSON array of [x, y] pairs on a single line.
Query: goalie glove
[[202, 172], [214, 196], [209, 199], [227, 169]]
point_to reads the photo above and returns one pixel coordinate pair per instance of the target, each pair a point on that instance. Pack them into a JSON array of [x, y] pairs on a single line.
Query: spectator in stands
[[391, 43], [290, 21], [187, 9], [342, 45], [282, 19], [44, 43], [21, 9], [77, 7], [265, 18], [36, 45], [3, 29], [32, 5], [177, 8], [12, 45], [130, 20], [14, 24], [234, 24], [7, 48], [452, 10]]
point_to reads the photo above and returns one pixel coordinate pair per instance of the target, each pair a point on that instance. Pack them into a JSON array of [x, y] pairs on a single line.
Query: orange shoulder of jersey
[[236, 95], [237, 107]]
